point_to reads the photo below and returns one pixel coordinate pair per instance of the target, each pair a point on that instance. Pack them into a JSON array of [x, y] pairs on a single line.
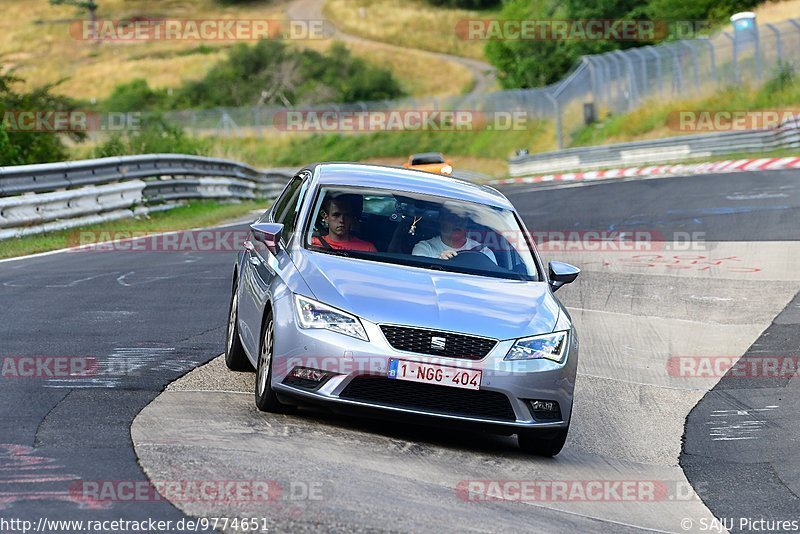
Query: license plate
[[429, 373]]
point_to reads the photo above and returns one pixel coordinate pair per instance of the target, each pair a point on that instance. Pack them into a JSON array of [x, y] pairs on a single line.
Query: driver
[[339, 213], [452, 238]]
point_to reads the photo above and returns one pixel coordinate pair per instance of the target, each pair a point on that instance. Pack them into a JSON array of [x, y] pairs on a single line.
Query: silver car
[[383, 291]]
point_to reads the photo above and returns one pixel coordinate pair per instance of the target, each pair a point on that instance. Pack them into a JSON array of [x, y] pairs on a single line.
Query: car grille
[[421, 340], [430, 398]]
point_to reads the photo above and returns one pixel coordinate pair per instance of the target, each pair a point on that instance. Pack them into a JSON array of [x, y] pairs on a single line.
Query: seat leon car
[[376, 290]]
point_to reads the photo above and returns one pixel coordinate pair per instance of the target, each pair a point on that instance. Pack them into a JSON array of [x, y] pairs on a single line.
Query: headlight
[[313, 314], [447, 169], [549, 346]]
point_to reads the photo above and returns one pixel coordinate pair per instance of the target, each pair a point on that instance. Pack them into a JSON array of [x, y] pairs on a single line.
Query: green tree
[[529, 63], [22, 147]]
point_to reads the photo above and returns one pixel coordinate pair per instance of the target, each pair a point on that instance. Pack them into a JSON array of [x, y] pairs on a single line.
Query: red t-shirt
[[353, 243]]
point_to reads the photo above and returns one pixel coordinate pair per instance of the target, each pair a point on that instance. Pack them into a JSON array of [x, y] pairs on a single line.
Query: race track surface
[[149, 317]]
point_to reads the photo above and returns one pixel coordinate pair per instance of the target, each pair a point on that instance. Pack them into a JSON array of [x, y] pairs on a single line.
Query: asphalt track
[[149, 317]]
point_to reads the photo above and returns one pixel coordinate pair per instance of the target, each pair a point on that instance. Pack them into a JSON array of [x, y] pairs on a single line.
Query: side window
[[289, 204]]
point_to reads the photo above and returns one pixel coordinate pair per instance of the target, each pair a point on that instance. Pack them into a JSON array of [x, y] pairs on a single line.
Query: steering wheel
[[470, 251]]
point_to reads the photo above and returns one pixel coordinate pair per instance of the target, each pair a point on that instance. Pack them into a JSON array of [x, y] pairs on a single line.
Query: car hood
[[396, 294]]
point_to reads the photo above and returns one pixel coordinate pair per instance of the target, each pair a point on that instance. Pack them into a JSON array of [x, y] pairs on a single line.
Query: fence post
[[645, 82], [593, 78], [605, 77], [759, 65], [257, 120], [712, 58], [778, 44], [557, 110], [677, 74], [695, 72], [634, 90], [658, 69], [617, 78], [735, 58]]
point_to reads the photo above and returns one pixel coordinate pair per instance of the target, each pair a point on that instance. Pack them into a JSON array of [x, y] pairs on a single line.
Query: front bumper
[[349, 362]]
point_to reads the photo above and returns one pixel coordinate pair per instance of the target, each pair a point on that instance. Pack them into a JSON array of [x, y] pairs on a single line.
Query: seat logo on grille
[[438, 343]]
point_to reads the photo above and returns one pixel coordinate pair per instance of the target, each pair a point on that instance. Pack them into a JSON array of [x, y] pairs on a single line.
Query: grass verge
[[652, 121], [197, 214], [489, 150]]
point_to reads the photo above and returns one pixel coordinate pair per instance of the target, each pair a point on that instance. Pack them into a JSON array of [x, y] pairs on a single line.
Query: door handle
[[254, 260]]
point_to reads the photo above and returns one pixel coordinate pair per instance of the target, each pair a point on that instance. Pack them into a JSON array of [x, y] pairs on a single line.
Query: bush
[[135, 95], [154, 136], [268, 72]]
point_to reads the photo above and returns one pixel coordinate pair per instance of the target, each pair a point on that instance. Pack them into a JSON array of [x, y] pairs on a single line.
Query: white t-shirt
[[434, 247]]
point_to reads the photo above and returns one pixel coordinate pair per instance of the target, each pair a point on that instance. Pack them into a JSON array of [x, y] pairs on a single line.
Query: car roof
[[428, 155], [407, 180]]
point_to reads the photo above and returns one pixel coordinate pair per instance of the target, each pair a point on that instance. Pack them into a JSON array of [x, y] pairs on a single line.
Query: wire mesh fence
[[609, 83]]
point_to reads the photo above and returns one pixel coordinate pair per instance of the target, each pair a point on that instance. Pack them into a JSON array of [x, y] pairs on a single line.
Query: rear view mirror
[[268, 233], [561, 274]]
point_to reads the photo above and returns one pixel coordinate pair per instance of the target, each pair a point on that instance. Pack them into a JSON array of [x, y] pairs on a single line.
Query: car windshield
[[425, 159], [420, 230]]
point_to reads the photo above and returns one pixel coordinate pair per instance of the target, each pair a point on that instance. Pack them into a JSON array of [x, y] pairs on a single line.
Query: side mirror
[[268, 233], [561, 274]]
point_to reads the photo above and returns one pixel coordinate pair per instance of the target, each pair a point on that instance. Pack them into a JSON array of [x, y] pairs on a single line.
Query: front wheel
[[235, 357], [266, 399], [542, 442]]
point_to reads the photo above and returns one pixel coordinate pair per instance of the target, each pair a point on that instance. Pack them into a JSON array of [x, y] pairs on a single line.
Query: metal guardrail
[[653, 151], [56, 196]]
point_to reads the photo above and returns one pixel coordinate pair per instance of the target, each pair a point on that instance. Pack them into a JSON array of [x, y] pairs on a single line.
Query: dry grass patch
[[35, 42], [410, 23], [777, 11]]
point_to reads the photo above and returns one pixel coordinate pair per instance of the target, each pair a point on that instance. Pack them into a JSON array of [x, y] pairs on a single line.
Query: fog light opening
[[545, 410], [306, 377]]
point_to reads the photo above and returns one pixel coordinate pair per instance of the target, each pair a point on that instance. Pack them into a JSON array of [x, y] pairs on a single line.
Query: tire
[[235, 357], [266, 399], [542, 442]]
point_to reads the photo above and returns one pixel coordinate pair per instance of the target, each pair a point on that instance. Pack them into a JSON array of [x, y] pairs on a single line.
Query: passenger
[[451, 240], [339, 213]]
